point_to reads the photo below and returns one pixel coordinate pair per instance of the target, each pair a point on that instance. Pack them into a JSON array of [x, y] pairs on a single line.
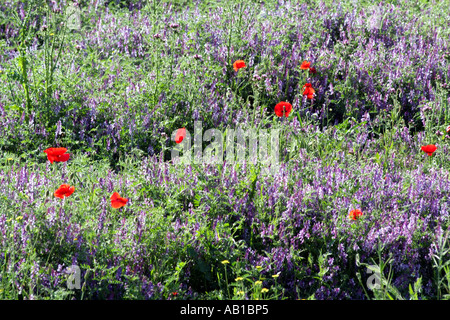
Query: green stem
[[23, 67], [226, 279], [229, 39]]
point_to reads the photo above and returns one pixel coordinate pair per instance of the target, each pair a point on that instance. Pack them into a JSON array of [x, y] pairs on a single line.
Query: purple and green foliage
[[114, 91]]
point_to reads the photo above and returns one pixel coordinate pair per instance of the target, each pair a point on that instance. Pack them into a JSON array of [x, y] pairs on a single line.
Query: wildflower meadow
[[224, 150]]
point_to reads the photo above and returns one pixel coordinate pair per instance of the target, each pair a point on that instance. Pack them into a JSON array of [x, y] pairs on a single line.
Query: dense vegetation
[[114, 92]]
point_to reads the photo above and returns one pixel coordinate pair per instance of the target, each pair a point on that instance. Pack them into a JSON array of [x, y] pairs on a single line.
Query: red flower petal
[[51, 158], [64, 191], [309, 91], [115, 196], [55, 151], [70, 191], [63, 157], [181, 133], [429, 149], [238, 64], [283, 106], [117, 201], [355, 214], [57, 154], [305, 65], [59, 194]]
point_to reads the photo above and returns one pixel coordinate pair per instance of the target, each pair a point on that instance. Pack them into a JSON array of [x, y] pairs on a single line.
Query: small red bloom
[[283, 108], [305, 65], [57, 154], [175, 293], [355, 214], [429, 149], [238, 64], [448, 129], [309, 91], [312, 70], [64, 191], [117, 201], [181, 134]]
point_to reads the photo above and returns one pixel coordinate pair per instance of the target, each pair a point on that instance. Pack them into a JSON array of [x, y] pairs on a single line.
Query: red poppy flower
[[64, 191], [117, 201], [181, 134], [238, 64], [57, 154], [312, 70], [355, 214], [429, 149], [448, 129], [175, 293], [283, 108], [309, 91], [305, 65]]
